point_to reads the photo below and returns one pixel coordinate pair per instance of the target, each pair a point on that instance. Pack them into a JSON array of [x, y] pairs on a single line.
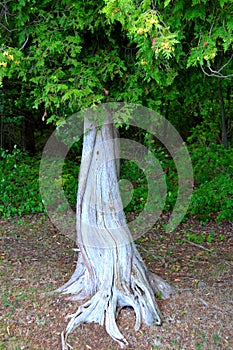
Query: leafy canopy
[[71, 55]]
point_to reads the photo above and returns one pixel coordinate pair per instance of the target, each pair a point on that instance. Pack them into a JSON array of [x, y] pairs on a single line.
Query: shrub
[[214, 196], [19, 185], [213, 174]]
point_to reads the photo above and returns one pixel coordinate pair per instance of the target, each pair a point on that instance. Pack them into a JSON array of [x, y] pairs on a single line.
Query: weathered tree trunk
[[110, 272]]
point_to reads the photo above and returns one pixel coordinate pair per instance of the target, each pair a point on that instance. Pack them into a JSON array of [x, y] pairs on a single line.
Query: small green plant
[[159, 295], [196, 238], [209, 237], [216, 338]]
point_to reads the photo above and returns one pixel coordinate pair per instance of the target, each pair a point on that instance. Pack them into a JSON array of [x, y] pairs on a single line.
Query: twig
[[217, 73], [24, 44], [204, 302], [226, 64], [197, 245]]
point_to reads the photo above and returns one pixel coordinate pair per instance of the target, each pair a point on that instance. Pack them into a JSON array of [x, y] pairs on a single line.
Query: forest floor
[[196, 260]]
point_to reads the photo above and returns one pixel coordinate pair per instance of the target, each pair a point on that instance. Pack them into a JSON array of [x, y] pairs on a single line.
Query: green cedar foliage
[[69, 55]]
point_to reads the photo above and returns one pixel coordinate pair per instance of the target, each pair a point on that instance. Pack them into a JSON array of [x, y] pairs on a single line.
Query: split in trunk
[[110, 273]]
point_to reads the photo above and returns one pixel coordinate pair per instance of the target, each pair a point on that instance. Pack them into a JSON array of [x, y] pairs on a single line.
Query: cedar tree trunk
[[110, 273]]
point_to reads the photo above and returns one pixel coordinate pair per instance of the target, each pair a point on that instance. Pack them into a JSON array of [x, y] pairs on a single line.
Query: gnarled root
[[161, 288], [114, 293]]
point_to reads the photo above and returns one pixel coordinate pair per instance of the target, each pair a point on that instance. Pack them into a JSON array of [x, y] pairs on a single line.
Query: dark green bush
[[213, 173], [208, 162], [212, 196], [213, 177], [19, 184]]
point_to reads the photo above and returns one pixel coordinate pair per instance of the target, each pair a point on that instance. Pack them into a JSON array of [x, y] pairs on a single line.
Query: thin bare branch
[[197, 245], [226, 64], [24, 44], [212, 26], [217, 73], [9, 30]]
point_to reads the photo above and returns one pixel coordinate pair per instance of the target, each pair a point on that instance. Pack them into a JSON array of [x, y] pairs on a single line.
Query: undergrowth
[[212, 196], [19, 184]]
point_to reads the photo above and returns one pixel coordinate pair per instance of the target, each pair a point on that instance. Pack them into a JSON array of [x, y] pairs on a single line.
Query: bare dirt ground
[[196, 260]]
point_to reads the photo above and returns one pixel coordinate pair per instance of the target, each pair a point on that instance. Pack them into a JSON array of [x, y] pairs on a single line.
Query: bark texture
[[110, 273]]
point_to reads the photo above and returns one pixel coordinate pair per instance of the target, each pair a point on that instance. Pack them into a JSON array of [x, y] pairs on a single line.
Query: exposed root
[[161, 288], [103, 308], [112, 295]]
